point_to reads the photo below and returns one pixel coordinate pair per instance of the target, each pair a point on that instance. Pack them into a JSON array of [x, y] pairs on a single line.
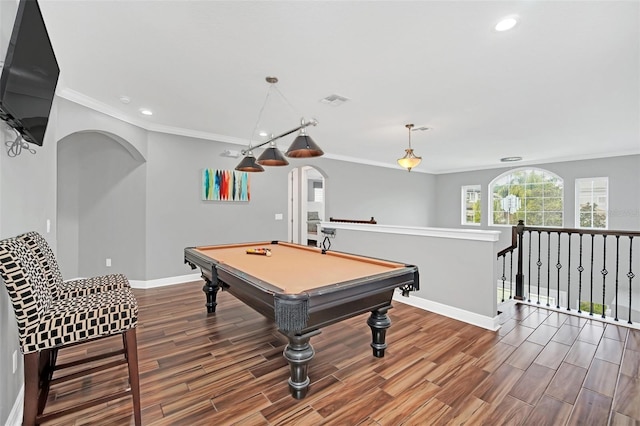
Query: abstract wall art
[[225, 185]]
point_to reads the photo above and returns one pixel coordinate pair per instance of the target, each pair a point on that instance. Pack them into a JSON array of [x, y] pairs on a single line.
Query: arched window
[[533, 195]]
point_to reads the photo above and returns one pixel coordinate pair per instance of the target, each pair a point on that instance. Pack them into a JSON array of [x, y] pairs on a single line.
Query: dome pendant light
[[410, 160]]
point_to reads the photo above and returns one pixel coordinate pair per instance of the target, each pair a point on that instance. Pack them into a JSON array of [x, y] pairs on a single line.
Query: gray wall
[[624, 214], [101, 207], [27, 200], [27, 190], [469, 287], [391, 196], [177, 217], [624, 192]]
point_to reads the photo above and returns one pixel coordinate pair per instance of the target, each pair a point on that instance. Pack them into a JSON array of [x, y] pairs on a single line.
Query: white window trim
[[463, 202], [490, 196], [577, 202]]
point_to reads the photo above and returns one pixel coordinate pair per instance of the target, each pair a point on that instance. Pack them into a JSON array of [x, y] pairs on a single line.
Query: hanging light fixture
[[272, 156], [249, 164], [409, 161], [302, 147]]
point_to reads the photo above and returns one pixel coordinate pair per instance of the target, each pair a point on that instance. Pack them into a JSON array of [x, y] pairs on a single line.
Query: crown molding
[[86, 101]]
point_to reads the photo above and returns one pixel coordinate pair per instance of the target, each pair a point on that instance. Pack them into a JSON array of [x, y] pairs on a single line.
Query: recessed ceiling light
[[510, 159], [263, 134], [506, 23], [145, 111], [125, 99]]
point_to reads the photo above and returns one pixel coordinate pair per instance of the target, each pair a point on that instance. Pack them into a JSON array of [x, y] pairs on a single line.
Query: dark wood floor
[[540, 368]]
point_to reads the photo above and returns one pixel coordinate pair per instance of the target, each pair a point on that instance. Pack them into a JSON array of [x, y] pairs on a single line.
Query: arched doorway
[[100, 206], [307, 204]]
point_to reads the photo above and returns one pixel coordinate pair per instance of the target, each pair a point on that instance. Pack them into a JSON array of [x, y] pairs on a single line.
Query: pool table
[[303, 289]]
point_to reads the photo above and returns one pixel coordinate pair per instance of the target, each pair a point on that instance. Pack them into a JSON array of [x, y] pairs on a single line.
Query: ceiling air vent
[[334, 100]]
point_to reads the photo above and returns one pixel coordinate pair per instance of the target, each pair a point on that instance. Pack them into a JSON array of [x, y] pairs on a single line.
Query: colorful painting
[[225, 185]]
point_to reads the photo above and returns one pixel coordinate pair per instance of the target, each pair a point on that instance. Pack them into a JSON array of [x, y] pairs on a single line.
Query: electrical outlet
[[15, 361], [108, 262]]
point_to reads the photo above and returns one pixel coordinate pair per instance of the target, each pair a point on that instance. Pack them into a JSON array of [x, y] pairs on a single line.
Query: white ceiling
[[563, 84]]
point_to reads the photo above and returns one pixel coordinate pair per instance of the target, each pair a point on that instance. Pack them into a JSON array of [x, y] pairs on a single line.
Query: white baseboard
[[15, 416], [161, 282], [449, 311]]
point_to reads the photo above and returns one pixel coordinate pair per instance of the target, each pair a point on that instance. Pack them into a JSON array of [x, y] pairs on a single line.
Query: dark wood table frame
[[301, 316]]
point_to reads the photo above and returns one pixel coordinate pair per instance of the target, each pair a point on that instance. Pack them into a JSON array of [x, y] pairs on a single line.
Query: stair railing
[[594, 270]]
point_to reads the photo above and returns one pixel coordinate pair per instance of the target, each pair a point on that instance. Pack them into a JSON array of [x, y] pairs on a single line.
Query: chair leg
[[31, 388], [47, 366], [131, 346], [124, 344]]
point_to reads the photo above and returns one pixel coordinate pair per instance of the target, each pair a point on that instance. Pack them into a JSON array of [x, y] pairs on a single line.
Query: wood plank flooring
[[540, 368]]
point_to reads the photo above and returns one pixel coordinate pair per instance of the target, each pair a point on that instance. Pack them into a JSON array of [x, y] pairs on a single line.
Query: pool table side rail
[[320, 307]]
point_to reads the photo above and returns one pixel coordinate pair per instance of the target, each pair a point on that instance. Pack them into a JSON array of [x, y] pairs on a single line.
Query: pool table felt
[[296, 269]]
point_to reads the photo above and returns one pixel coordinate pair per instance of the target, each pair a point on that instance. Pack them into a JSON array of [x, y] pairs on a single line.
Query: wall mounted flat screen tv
[[29, 75]]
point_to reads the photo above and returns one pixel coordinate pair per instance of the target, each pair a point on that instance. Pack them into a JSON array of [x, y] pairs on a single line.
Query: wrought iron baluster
[[630, 274], [580, 269], [569, 276], [591, 281], [558, 267], [511, 274], [529, 291], [604, 271], [503, 276], [548, 264], [617, 272], [539, 263]]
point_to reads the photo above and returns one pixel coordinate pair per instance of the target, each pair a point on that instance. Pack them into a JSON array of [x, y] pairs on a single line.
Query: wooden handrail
[[514, 240], [371, 221], [578, 231]]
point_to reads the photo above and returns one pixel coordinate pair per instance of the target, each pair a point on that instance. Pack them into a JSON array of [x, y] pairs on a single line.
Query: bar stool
[[72, 288], [47, 324]]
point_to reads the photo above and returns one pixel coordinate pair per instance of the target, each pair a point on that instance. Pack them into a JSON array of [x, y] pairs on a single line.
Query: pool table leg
[[379, 322], [211, 291], [298, 353]]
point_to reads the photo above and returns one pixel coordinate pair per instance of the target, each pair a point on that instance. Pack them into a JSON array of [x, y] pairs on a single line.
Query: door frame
[[297, 200]]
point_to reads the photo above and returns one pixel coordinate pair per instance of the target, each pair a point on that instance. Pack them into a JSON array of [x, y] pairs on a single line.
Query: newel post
[[519, 230]]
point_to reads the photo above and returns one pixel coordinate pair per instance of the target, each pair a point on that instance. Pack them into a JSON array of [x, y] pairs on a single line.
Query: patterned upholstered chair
[[47, 324], [73, 288]]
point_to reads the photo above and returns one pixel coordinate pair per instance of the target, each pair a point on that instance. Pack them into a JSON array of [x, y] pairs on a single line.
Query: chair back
[[39, 246], [27, 287]]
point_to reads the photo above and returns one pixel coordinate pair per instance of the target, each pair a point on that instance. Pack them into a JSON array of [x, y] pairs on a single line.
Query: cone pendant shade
[[272, 157], [304, 147], [248, 164]]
